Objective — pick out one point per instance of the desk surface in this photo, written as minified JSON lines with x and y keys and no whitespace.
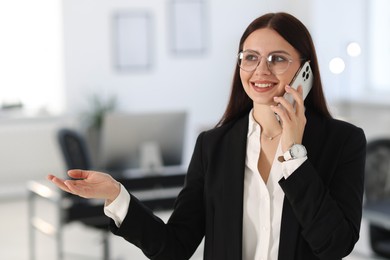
{"x":163,"y":171}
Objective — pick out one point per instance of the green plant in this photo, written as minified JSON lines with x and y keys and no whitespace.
{"x":98,"y":108}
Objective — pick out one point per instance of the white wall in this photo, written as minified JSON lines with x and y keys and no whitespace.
{"x":336,"y":24}
{"x":199,"y":84}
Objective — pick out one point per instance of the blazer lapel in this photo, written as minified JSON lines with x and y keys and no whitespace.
{"x":233,"y":187}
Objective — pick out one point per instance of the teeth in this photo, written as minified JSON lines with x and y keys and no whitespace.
{"x":260,"y":85}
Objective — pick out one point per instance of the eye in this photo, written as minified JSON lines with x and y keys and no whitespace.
{"x":277,"y":58}
{"x":250,"y":57}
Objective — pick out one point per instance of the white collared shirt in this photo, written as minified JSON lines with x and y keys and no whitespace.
{"x":263,"y":203}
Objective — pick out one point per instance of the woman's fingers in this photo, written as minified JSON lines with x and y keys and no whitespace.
{"x":298,"y":97}
{"x":60,"y":183}
{"x":79,"y":174}
{"x":281,"y":112}
{"x":292,"y":117}
{"x":72,"y":186}
{"x":285,"y":108}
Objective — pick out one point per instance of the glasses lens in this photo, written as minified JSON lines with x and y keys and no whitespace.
{"x":278,"y":63}
{"x":248,"y":60}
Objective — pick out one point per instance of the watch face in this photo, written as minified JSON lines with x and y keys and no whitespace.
{"x":298,"y":151}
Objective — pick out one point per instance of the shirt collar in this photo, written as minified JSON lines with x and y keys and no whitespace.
{"x":253,"y":126}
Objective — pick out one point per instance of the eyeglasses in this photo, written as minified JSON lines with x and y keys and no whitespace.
{"x":277,"y":63}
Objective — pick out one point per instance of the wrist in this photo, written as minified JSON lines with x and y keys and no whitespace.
{"x":116,"y":189}
{"x":296,"y":151}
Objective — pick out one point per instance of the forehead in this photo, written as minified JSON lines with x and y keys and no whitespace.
{"x":266,"y":40}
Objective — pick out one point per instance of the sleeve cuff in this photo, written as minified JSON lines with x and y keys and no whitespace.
{"x":118,"y":209}
{"x":288,"y":167}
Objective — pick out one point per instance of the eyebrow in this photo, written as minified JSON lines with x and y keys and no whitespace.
{"x":272,"y":52}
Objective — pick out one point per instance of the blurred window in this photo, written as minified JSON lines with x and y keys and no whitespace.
{"x":31,"y":65}
{"x":379,"y":44}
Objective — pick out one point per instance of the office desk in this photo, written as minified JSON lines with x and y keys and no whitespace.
{"x":158,"y":191}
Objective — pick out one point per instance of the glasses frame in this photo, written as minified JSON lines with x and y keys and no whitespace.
{"x":269,"y":66}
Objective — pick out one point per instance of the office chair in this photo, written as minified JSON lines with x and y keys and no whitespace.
{"x":91,"y":214}
{"x":377,"y":195}
{"x":158,"y":192}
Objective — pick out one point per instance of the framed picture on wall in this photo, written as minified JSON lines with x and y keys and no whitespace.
{"x":132,"y":40}
{"x":188,"y":26}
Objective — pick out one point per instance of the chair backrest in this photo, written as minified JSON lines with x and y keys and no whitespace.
{"x":377,"y":171}
{"x":74,"y":149}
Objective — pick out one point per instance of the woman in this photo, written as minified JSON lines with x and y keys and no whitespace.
{"x":246,"y":191}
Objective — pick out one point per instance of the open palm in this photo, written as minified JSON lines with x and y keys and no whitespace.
{"x":88,"y":184}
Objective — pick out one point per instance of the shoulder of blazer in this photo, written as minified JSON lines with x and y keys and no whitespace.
{"x":321,"y":132}
{"x":236,"y":128}
{"x":328,"y":126}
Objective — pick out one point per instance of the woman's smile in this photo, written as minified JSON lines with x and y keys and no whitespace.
{"x":262,"y":86}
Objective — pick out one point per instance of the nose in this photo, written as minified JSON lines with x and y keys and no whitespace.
{"x":262,"y":66}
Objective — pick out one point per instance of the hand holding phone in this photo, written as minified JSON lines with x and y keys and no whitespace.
{"x":304,"y":78}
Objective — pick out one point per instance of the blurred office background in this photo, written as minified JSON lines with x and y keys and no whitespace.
{"x":62,"y":60}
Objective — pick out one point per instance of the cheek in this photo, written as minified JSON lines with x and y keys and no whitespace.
{"x":245,"y":81}
{"x":283,"y":81}
{"x":286,"y":79}
{"x":245,"y":77}
{"x":242,"y":75}
{"x":290,"y":78}
{"x":291,"y":73}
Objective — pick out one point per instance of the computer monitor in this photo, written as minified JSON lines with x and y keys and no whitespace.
{"x":127,"y":138}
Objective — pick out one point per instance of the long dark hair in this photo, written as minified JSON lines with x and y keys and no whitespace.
{"x":294,"y":32}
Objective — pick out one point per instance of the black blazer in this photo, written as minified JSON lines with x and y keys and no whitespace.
{"x":321,"y":212}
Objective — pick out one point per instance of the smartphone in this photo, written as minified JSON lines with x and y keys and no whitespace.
{"x":304,"y":78}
